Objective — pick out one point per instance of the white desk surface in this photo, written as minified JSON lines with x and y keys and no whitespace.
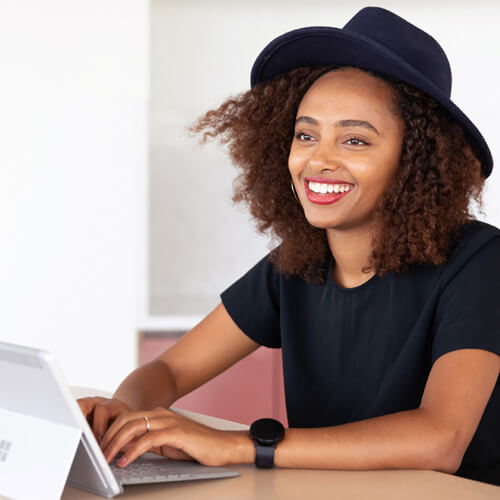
{"x":290,"y":484}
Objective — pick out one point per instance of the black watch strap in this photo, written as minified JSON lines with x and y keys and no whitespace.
{"x":266,"y":434}
{"x":264,"y":456}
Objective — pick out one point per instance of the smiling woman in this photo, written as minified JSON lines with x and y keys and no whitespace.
{"x":365,"y":176}
{"x":413,"y":221}
{"x":383,"y":289}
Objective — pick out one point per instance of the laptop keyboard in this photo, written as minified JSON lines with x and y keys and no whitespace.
{"x":141,"y":471}
{"x":146,"y":470}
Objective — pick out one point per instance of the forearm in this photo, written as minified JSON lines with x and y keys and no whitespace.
{"x":404,"y":440}
{"x":149,"y":386}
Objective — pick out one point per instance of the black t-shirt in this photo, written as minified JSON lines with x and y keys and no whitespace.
{"x":356,"y":353}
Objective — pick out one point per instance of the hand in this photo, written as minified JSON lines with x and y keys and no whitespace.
{"x":174,"y":436}
{"x":100,"y":412}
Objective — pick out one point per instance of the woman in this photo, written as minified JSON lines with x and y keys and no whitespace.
{"x":382,"y":291}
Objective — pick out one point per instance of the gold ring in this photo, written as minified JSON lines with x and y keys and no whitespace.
{"x":147,"y":423}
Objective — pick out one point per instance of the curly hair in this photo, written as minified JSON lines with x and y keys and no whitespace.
{"x":417,"y":219}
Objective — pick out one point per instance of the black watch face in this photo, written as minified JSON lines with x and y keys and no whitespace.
{"x":267,"y":431}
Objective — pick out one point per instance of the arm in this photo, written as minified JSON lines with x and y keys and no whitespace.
{"x":212,"y":346}
{"x":433,"y":436}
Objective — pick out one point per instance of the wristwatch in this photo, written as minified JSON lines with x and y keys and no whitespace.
{"x":266,"y":434}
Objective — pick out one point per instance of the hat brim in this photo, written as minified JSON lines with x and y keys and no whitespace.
{"x":328,"y":46}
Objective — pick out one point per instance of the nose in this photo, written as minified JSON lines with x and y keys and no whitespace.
{"x":323,"y":158}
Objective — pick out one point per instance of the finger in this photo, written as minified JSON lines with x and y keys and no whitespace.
{"x":121,"y":420}
{"x":125,"y":417}
{"x":147,"y":441}
{"x":87,"y":414}
{"x":130,"y":431}
{"x":103,"y":413}
{"x":83,"y":406}
{"x":127,"y":447}
{"x":87,"y":404}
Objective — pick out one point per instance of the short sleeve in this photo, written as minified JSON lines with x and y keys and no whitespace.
{"x":468,"y":312}
{"x":254,"y":305}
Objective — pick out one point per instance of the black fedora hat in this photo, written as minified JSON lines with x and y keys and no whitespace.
{"x":379,"y":40}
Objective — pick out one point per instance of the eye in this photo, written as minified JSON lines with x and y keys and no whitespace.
{"x":303,"y":137}
{"x":357,"y":141}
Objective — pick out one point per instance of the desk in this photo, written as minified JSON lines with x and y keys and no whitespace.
{"x":290,"y":484}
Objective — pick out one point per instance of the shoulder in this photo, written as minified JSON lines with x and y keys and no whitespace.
{"x":476,"y":249}
{"x":476,"y":231}
{"x":475,"y":255}
{"x":475,"y":240}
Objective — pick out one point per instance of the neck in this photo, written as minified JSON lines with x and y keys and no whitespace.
{"x":351,"y":249}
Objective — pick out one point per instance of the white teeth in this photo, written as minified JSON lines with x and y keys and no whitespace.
{"x":323,"y":188}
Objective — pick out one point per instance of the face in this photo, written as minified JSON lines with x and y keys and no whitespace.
{"x":346,"y":148}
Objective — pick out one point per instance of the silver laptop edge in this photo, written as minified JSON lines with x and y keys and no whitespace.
{"x":89,"y":469}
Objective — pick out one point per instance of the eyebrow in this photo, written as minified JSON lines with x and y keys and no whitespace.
{"x":340,"y":123}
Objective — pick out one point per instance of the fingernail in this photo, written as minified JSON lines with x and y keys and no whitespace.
{"x":122,"y":461}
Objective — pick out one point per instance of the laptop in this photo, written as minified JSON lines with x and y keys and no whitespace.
{"x":46,"y":442}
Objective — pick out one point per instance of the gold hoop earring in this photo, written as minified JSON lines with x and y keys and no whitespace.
{"x":294,"y":192}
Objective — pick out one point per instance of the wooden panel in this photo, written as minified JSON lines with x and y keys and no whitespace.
{"x":250,"y":389}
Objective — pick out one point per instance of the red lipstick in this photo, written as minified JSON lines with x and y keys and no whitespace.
{"x":327,"y":198}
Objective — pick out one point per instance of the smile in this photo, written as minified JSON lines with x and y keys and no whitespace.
{"x":326,"y":193}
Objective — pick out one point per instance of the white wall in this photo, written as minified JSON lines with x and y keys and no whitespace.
{"x":202,"y":52}
{"x":73,"y":156}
